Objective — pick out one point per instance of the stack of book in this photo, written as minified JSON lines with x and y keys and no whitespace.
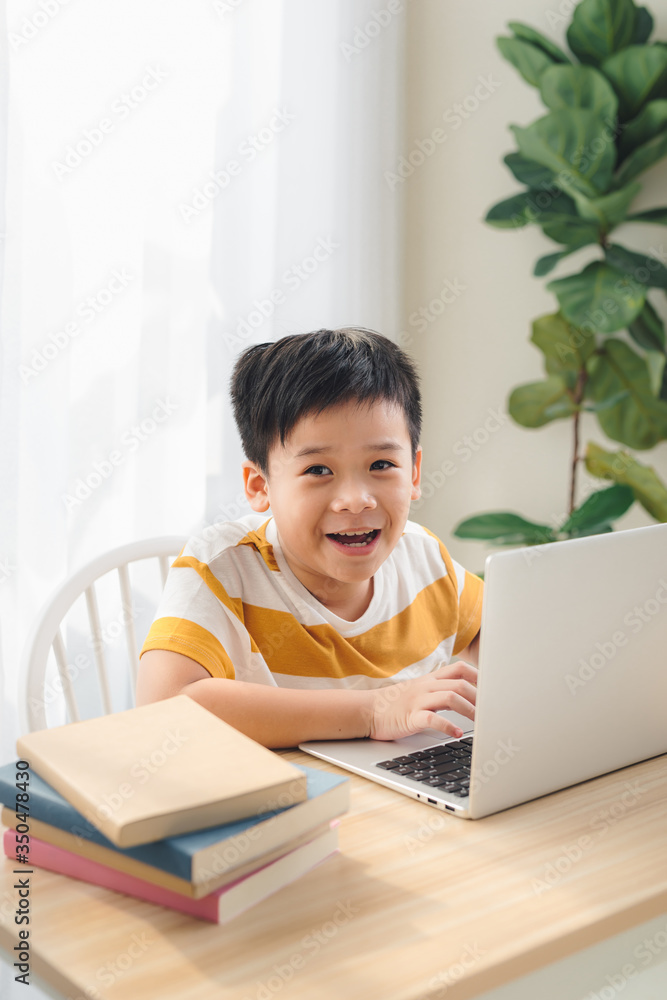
{"x":169,"y":804}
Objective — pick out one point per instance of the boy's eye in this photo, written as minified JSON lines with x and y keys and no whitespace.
{"x":382,"y":463}
{"x":317,"y":470}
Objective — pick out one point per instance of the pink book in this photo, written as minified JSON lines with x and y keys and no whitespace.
{"x":218,"y":907}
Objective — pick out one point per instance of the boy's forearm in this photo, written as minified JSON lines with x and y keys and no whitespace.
{"x":284,"y":717}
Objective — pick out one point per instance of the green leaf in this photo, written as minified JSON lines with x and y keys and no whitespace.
{"x":538,"y":403}
{"x":609,"y":210}
{"x":527,"y":172}
{"x":643,"y":26}
{"x":566,"y":349}
{"x":647,"y":329}
{"x":531,"y":207}
{"x":601,"y":27}
{"x":504,"y":528}
{"x":553,"y":210}
{"x":511,"y":213}
{"x":642,"y":158}
{"x":571,"y":230}
{"x":565,"y":87}
{"x":606,"y":404}
{"x":658,"y":216}
{"x":651,"y":121}
{"x":528,"y":59}
{"x":599,"y":509}
{"x":620,"y":467}
{"x":596,"y":529}
{"x":655,"y":362}
{"x":639,"y":419}
{"x":662,"y":392}
{"x":638,"y":74}
{"x":599,"y":297}
{"x":544,"y":265}
{"x":553,"y":204}
{"x":574,"y":144}
{"x":528,"y":34}
{"x":643,"y":268}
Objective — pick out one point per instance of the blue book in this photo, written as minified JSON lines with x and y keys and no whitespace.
{"x":193,"y":863}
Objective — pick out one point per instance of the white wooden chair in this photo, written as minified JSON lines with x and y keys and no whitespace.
{"x":48,"y":675}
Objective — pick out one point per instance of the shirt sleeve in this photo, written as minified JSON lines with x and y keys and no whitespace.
{"x":197,"y":618}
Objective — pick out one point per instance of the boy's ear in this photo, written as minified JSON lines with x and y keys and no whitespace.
{"x":416,"y":475}
{"x":256,"y":487}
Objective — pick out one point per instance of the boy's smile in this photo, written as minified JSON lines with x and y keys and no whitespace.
{"x":340,"y":491}
{"x":350,"y":541}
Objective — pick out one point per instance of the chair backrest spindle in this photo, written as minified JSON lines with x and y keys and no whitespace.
{"x":127,"y":616}
{"x":47,"y":633}
{"x":98,"y":647}
{"x":61,"y":662}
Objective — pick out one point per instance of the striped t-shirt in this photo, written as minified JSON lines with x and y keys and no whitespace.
{"x":232,"y":603}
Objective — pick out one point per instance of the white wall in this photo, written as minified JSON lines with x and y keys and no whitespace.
{"x":477,"y":351}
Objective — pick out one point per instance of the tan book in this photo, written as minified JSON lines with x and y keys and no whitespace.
{"x":161,"y":769}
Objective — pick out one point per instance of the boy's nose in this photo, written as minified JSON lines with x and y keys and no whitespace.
{"x":355,"y":499}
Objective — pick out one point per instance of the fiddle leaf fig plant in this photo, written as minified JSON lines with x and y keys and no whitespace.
{"x":604,"y":347}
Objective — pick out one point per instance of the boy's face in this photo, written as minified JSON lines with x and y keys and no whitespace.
{"x":347,"y":469}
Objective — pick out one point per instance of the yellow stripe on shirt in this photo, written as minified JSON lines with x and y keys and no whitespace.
{"x":179,"y":635}
{"x":385,"y":649}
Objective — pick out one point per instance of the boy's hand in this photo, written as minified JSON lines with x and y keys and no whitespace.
{"x":410,"y":706}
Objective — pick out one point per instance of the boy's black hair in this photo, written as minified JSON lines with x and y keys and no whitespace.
{"x":273,"y":385}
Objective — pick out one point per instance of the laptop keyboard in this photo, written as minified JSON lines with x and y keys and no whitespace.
{"x":445,"y":766}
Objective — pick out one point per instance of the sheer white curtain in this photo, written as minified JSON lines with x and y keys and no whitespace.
{"x":180,"y":180}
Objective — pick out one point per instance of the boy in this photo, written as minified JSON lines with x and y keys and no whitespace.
{"x":333,"y":618}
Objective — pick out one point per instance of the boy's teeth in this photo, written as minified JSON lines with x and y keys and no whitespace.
{"x":367,"y":537}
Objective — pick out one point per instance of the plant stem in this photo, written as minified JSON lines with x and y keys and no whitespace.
{"x":578,"y":396}
{"x":575,"y":459}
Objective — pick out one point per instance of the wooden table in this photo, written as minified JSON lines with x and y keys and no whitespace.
{"x":417,"y":904}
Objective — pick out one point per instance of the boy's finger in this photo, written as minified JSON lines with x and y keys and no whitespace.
{"x":456,"y":670}
{"x":450,"y":701}
{"x":427,"y":719}
{"x":459,"y":686}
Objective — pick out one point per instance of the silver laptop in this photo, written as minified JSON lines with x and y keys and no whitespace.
{"x":572,"y":680}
